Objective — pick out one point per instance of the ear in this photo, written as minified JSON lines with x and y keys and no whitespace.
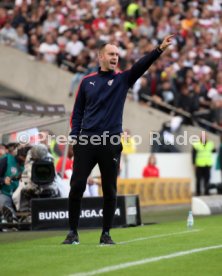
{"x":100,"y":55}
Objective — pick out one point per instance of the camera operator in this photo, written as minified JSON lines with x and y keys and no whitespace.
{"x":11,"y":168}
{"x":30,"y":185}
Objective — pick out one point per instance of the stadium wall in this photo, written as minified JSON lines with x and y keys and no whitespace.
{"x":42,"y":82}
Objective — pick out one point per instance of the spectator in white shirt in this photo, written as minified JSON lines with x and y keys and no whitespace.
{"x":8,"y":34}
{"x":75,"y":46}
{"x":49,"y":49}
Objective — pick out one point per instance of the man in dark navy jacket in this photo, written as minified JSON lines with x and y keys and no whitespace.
{"x":96,"y":124}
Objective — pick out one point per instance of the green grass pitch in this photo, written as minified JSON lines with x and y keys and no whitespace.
{"x":136,"y":252}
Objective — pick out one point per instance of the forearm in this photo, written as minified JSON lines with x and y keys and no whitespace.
{"x":142,"y":65}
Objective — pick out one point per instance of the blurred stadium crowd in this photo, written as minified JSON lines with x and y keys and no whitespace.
{"x":68,"y":32}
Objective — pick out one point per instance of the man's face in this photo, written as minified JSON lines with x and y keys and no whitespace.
{"x":109,"y":57}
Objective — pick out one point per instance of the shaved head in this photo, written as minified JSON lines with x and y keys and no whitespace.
{"x":102,"y":46}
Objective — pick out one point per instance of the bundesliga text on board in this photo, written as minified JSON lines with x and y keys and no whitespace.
{"x":58,"y":215}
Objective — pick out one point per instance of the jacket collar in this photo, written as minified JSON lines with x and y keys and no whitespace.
{"x":106,"y":73}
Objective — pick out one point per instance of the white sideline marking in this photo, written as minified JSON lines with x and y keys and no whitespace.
{"x":146,"y":261}
{"x":159,"y":236}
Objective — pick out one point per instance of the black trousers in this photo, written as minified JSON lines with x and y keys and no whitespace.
{"x":202,"y":174}
{"x":85,"y":158}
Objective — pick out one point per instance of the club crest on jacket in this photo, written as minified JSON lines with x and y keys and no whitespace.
{"x":110,"y":82}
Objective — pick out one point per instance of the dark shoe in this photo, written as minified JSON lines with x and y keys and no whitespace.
{"x":105,"y":239}
{"x":71,"y":239}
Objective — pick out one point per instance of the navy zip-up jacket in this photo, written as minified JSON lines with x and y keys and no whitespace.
{"x":101,"y":96}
